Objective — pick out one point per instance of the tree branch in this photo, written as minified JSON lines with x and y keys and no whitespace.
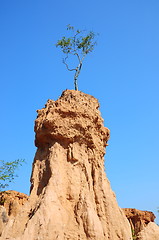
{"x":78,"y":57}
{"x":64,"y":61}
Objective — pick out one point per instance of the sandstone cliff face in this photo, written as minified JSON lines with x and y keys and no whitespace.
{"x":142,"y":224}
{"x":150,"y":232}
{"x":3,"y":218}
{"x":10,"y":204}
{"x":12,"y":201}
{"x":138,"y":219}
{"x":71,"y":198}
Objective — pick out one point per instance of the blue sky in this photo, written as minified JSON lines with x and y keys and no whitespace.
{"x":122,"y":72}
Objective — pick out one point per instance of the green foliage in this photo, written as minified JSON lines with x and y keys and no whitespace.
{"x":7,"y":172}
{"x":78,"y":45}
{"x":133,"y":234}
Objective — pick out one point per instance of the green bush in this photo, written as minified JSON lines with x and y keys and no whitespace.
{"x":7,"y":172}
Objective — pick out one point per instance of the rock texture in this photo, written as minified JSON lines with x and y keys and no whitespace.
{"x":150,"y":232}
{"x":142,"y":224}
{"x":3,"y":218}
{"x":71,"y":198}
{"x":10,"y":204}
{"x":12,"y":201}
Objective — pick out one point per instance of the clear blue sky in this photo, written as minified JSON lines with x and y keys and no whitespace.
{"x":122,"y":72}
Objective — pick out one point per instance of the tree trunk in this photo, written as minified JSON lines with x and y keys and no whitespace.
{"x":76,"y":85}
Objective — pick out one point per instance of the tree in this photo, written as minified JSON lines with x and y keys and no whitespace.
{"x":7,"y":172}
{"x":78,"y":45}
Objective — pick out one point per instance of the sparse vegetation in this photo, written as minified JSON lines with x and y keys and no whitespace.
{"x":133,"y":234}
{"x":78,"y":45}
{"x":7,"y":172}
